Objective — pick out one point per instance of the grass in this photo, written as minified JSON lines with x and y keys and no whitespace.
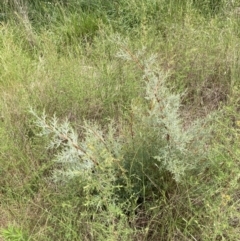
{"x":63,"y":57}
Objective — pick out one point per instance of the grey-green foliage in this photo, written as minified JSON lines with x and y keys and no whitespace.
{"x":95,"y":162}
{"x":96,"y":159}
{"x":77,"y":156}
{"x":118,"y":166}
{"x":159,"y":132}
{"x":72,"y":156}
{"x":158,"y":142}
{"x":184,"y":148}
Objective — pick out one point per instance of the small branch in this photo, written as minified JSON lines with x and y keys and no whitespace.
{"x":64,"y":138}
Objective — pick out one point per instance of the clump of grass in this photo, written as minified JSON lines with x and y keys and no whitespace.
{"x":14,"y":233}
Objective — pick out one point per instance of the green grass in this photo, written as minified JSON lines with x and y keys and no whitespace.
{"x":63,"y":56}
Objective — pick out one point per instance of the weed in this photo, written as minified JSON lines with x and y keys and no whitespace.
{"x":157,"y":164}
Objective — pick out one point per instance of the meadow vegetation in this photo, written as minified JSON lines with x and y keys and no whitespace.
{"x":119,"y":120}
